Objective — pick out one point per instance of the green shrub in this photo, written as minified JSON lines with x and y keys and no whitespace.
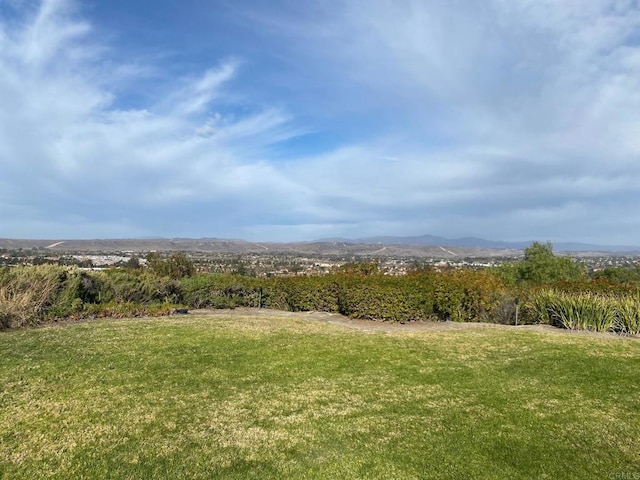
{"x":26,"y":293}
{"x":303,"y":293}
{"x":470,"y":296}
{"x":537,"y":308}
{"x":627,"y":311}
{"x":33,"y":294}
{"x":220,"y":291}
{"x":575,"y":311}
{"x":127,"y":310}
{"x":354,"y":294}
{"x":599,"y":312}
{"x":176,"y":266}
{"x":382,"y":300}
{"x":137,"y":286}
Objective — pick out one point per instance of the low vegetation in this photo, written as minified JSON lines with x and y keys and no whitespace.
{"x":284,"y":397}
{"x":587,"y":311}
{"x":275,"y":396}
{"x":543,"y":288}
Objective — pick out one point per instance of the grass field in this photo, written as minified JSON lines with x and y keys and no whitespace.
{"x":284,"y":397}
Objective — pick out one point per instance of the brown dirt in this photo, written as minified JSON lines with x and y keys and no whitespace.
{"x":373,"y":325}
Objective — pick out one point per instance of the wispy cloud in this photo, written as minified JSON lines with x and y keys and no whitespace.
{"x":508,"y":108}
{"x":68,"y":155}
{"x":514,"y":119}
{"x":198,"y":95}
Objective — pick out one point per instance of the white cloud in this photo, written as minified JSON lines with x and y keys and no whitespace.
{"x":68,"y":153}
{"x":199,"y":94}
{"x":553,"y":86}
{"x":514,"y":119}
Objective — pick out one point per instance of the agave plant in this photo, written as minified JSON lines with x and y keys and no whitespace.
{"x":598,"y":312}
{"x":565,"y":311}
{"x":628,"y":315}
{"x":583,"y":311}
{"x":538,"y":306}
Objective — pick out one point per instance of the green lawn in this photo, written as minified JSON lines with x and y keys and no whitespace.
{"x":268,"y":397}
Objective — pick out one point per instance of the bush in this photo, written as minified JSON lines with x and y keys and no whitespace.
{"x":29,"y":295}
{"x":354,"y":294}
{"x":471,"y":296}
{"x":536,"y":309}
{"x":383,"y":299}
{"x":577,"y":311}
{"x":137,"y":286}
{"x":220,"y":291}
{"x":26,"y":293}
{"x":127,"y":309}
{"x":176,"y":265}
{"x":628,"y":315}
{"x":303,"y":294}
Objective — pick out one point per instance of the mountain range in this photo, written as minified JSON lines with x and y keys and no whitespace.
{"x":473,"y":242}
{"x":416,"y":246}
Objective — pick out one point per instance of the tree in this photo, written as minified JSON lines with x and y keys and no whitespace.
{"x":133,"y":263}
{"x":176,"y":266}
{"x":180,"y":266}
{"x":620,"y":275}
{"x":156,"y":263}
{"x":541,"y":266}
{"x":363,"y":269}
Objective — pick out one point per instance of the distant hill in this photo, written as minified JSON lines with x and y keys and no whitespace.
{"x":423,"y":246}
{"x":242,"y":247}
{"x":473,"y":242}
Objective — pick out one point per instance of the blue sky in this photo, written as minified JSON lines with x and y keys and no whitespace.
{"x":296,"y":120}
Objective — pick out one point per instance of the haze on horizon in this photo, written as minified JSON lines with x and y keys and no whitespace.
{"x":297,"y":120}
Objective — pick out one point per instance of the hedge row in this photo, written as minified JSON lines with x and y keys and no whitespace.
{"x":30,"y":295}
{"x":463,"y":295}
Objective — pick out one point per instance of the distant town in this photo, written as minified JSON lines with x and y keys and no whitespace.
{"x":262,"y":260}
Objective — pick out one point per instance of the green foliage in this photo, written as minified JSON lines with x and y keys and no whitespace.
{"x":586,"y":310}
{"x":509,"y":272}
{"x":133,"y":263}
{"x":220,"y":291}
{"x":138,"y":286}
{"x":470,"y":296}
{"x":33,"y":294}
{"x":176,"y":266}
{"x":76,"y":288}
{"x":599,"y":285}
{"x":582,"y":312}
{"x":386,"y":298}
{"x":30,"y":295}
{"x":42,"y":292}
{"x":619,"y":275}
{"x":628,"y":315}
{"x":536,"y":308}
{"x":27,"y":292}
{"x":302,"y":293}
{"x":541,"y":266}
{"x":116,"y":309}
{"x":354,"y":294}
{"x":361,"y":268}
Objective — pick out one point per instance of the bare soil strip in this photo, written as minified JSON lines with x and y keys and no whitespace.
{"x":388,"y":327}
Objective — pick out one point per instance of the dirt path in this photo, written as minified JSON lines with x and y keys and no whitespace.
{"x":372,"y":325}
